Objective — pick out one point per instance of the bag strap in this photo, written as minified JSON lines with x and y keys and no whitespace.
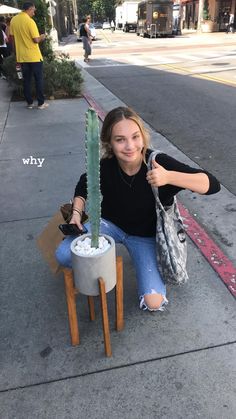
{"x":155,"y":190}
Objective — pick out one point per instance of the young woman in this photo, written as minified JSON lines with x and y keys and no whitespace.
{"x":128,"y":204}
{"x":86,"y":38}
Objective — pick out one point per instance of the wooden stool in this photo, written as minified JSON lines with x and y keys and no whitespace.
{"x":71,"y":292}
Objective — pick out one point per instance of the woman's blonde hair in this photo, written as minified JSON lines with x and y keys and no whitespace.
{"x":113,"y":117}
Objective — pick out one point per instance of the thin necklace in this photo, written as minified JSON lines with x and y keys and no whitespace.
{"x":124,"y":180}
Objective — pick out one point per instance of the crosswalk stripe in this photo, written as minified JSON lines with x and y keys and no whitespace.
{"x":154,"y":58}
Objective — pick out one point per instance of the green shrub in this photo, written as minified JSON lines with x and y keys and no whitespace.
{"x":205,"y":12}
{"x":67,"y":76}
{"x":61,"y":77}
{"x":46,"y":49}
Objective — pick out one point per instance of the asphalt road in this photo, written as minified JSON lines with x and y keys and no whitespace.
{"x":183,"y":90}
{"x":198,"y":116}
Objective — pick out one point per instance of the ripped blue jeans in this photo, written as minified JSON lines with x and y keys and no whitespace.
{"x":142,"y":251}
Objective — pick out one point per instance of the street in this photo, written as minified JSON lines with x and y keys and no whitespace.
{"x":184,"y":87}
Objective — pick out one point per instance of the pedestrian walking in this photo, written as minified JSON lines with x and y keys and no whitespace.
{"x":128,"y":204}
{"x":86,"y":38}
{"x":112,"y":26}
{"x":26,"y":40}
{"x":230,"y":27}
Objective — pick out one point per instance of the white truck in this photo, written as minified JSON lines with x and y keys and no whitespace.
{"x":126,"y":16}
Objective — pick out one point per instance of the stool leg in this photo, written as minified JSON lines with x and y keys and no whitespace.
{"x":91,"y":308}
{"x":71,"y":306}
{"x":105,"y":321}
{"x":119,"y":294}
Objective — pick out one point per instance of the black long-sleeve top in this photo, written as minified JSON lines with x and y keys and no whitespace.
{"x":128,"y":201}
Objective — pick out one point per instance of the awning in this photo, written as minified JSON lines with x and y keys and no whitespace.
{"x":7,"y":10}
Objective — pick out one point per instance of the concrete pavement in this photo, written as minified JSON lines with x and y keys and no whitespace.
{"x":176,"y":364}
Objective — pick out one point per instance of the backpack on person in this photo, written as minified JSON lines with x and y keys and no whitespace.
{"x":170,"y":238}
{"x":82,"y":31}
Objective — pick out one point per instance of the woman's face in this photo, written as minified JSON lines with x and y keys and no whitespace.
{"x":127,"y":141}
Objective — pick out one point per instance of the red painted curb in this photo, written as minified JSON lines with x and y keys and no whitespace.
{"x":213,"y":254}
{"x":95,"y":106}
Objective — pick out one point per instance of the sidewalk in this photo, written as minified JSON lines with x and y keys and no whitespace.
{"x":172,"y":365}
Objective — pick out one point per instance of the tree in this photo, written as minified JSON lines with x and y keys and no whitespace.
{"x":11,"y":3}
{"x":41,"y":17}
{"x":98,"y":9}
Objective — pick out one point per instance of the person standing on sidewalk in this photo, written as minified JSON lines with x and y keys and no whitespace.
{"x":3,"y":23}
{"x":86,"y":38}
{"x":3,"y":50}
{"x":112,"y":26}
{"x":26,"y":40}
{"x":9,"y":38}
{"x":230,"y":27}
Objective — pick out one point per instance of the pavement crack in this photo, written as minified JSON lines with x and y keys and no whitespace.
{"x":26,"y":219}
{"x":118,"y":367}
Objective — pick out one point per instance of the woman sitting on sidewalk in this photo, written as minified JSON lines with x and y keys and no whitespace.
{"x":128,"y":204}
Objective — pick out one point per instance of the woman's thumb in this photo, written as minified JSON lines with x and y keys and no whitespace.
{"x":155,"y":165}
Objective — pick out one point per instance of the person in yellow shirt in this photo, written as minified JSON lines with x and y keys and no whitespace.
{"x":26,"y":40}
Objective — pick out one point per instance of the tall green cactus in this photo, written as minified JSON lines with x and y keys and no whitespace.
{"x":93,"y":174}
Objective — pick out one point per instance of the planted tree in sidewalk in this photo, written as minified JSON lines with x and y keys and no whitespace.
{"x":207,"y":23}
{"x":205,"y":12}
{"x":98,"y":9}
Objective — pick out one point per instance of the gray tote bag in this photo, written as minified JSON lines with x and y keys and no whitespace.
{"x":170,"y":238}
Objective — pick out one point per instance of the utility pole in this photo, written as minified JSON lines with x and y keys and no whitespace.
{"x":75,"y":12}
{"x":53,"y":31}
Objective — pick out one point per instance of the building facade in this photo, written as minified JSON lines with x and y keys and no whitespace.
{"x":219,"y":11}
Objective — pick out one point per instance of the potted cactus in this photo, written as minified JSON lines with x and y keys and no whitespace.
{"x":93,"y":256}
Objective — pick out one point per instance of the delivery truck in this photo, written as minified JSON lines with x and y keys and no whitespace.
{"x":155,"y":18}
{"x":126,"y":16}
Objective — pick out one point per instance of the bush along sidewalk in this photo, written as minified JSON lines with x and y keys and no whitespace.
{"x":61,"y":77}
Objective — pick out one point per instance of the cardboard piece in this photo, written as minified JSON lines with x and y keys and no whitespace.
{"x":49,"y":240}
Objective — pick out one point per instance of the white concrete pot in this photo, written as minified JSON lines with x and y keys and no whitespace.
{"x":87,"y":269}
{"x":207,"y":26}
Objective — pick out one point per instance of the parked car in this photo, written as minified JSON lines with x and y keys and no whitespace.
{"x":106,"y":25}
{"x":97,"y":25}
{"x":92,"y":30}
{"x":130,"y":27}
